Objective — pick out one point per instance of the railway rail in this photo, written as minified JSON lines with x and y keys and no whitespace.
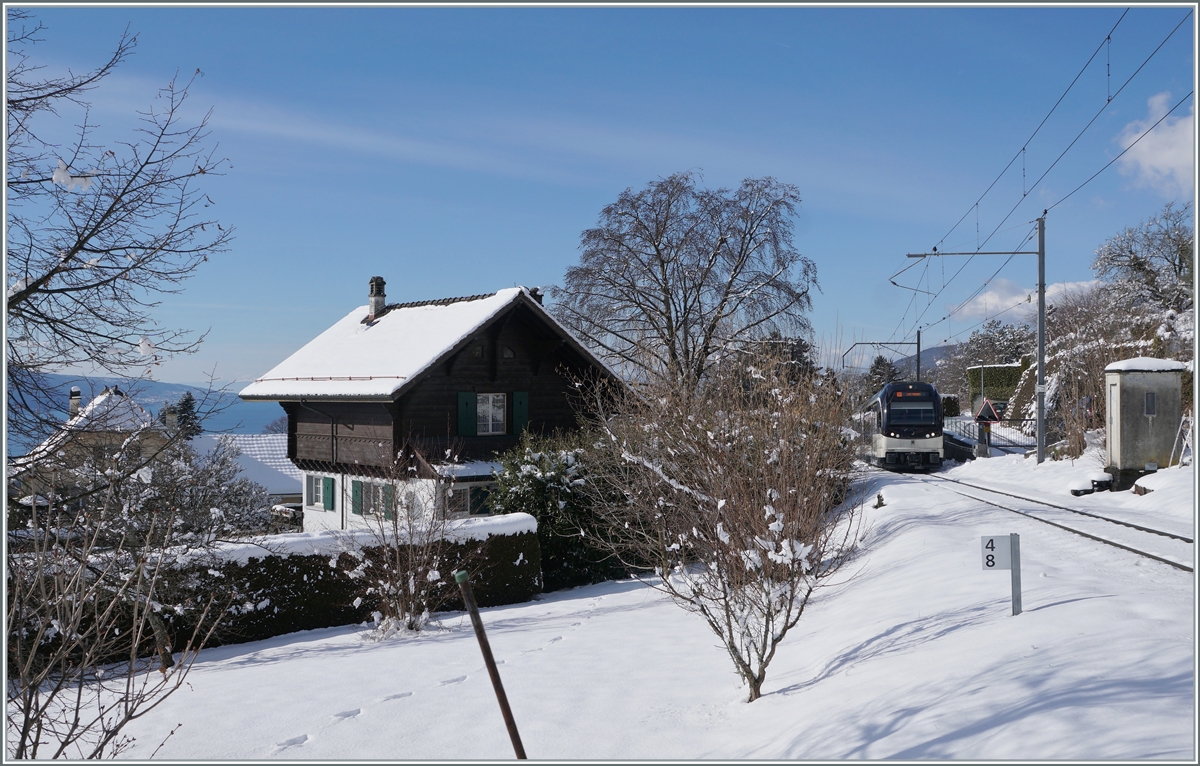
{"x":1170,"y":548}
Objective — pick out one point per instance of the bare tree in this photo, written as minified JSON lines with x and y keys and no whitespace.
{"x":1089,"y":329}
{"x":1154,"y":263}
{"x":733,"y":495}
{"x":96,"y":233}
{"x":277,"y":426}
{"x":99,"y":597}
{"x":403,"y":560}
{"x":674,"y":276}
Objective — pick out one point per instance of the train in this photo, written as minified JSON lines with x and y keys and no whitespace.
{"x":901,"y":427}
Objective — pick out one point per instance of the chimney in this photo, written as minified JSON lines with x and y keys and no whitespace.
{"x":170,"y":418}
{"x":537,"y":294}
{"x":376,"y":299}
{"x":76,"y":399}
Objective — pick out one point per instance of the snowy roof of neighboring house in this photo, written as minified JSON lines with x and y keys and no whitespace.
{"x":111,"y":411}
{"x":472,"y":468}
{"x":357,"y":359}
{"x":263,"y":460}
{"x":1146,"y":364}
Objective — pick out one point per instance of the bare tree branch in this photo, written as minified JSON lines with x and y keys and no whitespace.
{"x":675,"y":277}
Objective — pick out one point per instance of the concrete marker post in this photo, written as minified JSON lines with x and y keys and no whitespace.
{"x":1004,"y":552}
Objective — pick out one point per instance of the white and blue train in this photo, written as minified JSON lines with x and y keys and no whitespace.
{"x":901,"y":427}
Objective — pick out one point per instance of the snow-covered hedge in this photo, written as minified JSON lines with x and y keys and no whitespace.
{"x":303,"y":581}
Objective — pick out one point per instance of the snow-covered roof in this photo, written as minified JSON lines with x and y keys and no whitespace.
{"x":263,"y":460}
{"x":1146,"y":364}
{"x":335,"y":541}
{"x":472,"y":468}
{"x":356,"y":359}
{"x":112,"y":412}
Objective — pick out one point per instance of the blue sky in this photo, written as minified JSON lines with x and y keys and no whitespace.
{"x":456,"y":151}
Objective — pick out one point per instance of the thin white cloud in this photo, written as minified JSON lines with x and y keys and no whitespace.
{"x":1165,"y":158}
{"x":1012,"y":302}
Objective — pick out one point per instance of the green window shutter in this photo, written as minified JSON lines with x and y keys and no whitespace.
{"x":520,"y":417}
{"x":356,"y":497}
{"x":466,"y":413}
{"x":389,"y":502}
{"x":327,"y":493}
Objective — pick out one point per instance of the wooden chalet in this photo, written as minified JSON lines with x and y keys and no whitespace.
{"x":452,"y":381}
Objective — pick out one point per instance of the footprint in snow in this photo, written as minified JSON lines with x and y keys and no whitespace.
{"x":576,"y":624}
{"x":458,"y":680}
{"x":556,"y":638}
{"x":293,"y":742}
{"x":399,"y":696}
{"x":348,"y":713}
{"x":531,"y":651}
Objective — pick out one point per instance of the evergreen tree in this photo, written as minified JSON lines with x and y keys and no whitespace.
{"x":186,"y":419}
{"x":881,"y":373}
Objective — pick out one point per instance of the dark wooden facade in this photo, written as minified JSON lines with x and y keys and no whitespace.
{"x":518,"y":353}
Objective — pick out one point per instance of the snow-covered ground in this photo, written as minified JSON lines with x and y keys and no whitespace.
{"x":913,"y":654}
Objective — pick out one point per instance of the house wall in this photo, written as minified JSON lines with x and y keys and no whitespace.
{"x":416,"y":495}
{"x":361,"y":433}
{"x":356,"y":437}
{"x":56,"y":475}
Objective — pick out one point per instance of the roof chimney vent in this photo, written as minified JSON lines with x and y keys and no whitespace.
{"x":75,"y":400}
{"x":537,"y":294}
{"x":377,"y":301}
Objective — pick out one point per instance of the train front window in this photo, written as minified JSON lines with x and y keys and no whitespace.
{"x":911,"y":413}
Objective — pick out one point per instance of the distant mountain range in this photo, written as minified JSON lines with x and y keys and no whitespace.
{"x":929,"y":359}
{"x":229,"y":413}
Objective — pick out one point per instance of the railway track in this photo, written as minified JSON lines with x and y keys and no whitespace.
{"x":1169,"y":548}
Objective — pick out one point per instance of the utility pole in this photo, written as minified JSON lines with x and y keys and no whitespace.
{"x":1041,"y":375}
{"x":1041,"y":332}
{"x":918,"y":355}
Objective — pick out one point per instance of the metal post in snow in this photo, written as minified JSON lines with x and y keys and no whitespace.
{"x":1041,"y":373}
{"x":469,"y":600}
{"x":1015,"y":548}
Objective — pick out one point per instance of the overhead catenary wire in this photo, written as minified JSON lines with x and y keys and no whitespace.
{"x":1122,"y":154}
{"x":980,"y":289}
{"x":1021,"y":151}
{"x":1025,"y":194}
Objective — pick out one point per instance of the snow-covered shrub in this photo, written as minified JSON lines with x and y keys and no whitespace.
{"x":1090,"y":328}
{"x":544,"y":477}
{"x":100,"y":592}
{"x":729,"y":497}
{"x":404,"y":569}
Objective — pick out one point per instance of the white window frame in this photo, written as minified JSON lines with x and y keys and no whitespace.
{"x":314,"y":491}
{"x":373,"y":497}
{"x":492,"y":428}
{"x":469,"y":508}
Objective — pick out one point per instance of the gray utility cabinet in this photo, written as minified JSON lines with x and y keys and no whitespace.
{"x":1143,"y":398}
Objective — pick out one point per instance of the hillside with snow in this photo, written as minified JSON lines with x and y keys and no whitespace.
{"x":912,"y":654}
